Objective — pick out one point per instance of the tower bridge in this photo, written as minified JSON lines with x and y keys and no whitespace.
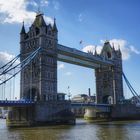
{"x":39,"y":53}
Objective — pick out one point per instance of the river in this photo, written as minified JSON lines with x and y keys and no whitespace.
{"x":121,"y":130}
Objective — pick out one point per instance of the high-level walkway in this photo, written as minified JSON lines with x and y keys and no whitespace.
{"x":74,"y":56}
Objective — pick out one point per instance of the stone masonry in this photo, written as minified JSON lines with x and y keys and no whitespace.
{"x":39,"y":78}
{"x":109,"y":84}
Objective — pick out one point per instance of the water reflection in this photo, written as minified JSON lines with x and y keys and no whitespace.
{"x":83,"y":130}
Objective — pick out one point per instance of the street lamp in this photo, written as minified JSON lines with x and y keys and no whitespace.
{"x":69,"y":95}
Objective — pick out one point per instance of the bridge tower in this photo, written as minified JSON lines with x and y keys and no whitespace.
{"x":109,"y":84}
{"x":39,"y":79}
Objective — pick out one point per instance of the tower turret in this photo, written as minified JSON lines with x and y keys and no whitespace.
{"x":22,"y":33}
{"x":42,"y":72}
{"x":109,"y":79}
{"x":54,"y":26}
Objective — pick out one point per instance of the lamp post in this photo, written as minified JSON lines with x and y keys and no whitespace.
{"x":69,"y":95}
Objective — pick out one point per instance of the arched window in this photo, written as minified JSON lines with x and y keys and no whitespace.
{"x":109,"y":55}
{"x":37,"y":31}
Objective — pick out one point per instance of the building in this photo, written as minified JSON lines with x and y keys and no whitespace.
{"x":83,"y":98}
{"x":39,"y":79}
{"x":109,"y":84}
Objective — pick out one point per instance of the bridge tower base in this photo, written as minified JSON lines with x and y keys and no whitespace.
{"x":51,"y":112}
{"x":40,"y":114}
{"x":95,"y":115}
{"x":20,"y":116}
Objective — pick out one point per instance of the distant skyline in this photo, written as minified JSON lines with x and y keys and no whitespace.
{"x":82,"y":24}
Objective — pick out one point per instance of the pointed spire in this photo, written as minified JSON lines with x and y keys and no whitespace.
{"x":95,"y":53}
{"x":23,"y":29}
{"x":119,"y":47}
{"x":39,"y":20}
{"x":119,"y":50}
{"x":54,"y":26}
{"x":113,"y":47}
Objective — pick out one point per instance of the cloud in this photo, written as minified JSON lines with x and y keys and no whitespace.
{"x":60,"y":66}
{"x":68,"y":73}
{"x":32,"y":3}
{"x":91,"y":48}
{"x":17,"y":11}
{"x":80,"y":17}
{"x":56,"y":5}
{"x":5,"y":57}
{"x":44,"y":3}
{"x":133,"y":49}
{"x":126,"y":49}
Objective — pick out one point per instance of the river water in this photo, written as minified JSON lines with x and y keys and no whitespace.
{"x":121,"y":130}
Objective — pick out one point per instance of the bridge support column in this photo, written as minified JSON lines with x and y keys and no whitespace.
{"x":20,"y":116}
{"x":53,"y":113}
{"x":93,"y":114}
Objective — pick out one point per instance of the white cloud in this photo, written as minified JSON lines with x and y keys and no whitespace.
{"x":5,"y":57}
{"x":68,"y":73}
{"x":126,"y":53}
{"x":80,"y":17}
{"x":44,"y":3}
{"x":126,"y":49}
{"x":91,"y":48}
{"x":16,"y":11}
{"x":60,"y":66}
{"x":32,"y":3}
{"x":133,"y":49}
{"x":56,"y":5}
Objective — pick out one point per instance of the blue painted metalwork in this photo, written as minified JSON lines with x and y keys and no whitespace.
{"x":101,"y":107}
{"x":10,"y":103}
{"x":90,"y":104}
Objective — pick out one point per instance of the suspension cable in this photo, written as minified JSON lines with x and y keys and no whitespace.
{"x":24,"y":61}
{"x":10,"y":62}
{"x":131,"y":88}
{"x":4,"y":87}
{"x":130,"y":85}
{"x":14,"y":86}
{"x":22,"y":67}
{"x":10,"y":65}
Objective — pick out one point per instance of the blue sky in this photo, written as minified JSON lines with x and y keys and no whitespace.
{"x":91,"y":21}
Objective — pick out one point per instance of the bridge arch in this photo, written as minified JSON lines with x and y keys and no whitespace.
{"x":107,"y":99}
{"x":31,"y":94}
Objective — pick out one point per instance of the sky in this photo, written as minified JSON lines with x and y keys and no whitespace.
{"x":89,"y":21}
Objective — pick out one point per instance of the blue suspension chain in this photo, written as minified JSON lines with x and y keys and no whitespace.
{"x":23,"y":64}
{"x":131,"y":88}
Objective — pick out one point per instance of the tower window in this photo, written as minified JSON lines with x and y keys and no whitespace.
{"x":49,"y":33}
{"x":37,"y":31}
{"x":108,"y":54}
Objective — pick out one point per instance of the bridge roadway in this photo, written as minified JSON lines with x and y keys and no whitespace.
{"x":74,"y":56}
{"x":101,"y":107}
{"x":18,"y":103}
{"x":14,"y":103}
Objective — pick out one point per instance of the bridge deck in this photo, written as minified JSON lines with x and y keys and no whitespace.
{"x":101,"y":107}
{"x":90,"y":104}
{"x":9,"y":103}
{"x":74,"y":56}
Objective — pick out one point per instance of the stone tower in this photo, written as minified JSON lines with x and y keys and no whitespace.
{"x":39,"y":78}
{"x":109,"y":85}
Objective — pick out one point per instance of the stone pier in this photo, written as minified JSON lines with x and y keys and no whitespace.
{"x":41,"y":113}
